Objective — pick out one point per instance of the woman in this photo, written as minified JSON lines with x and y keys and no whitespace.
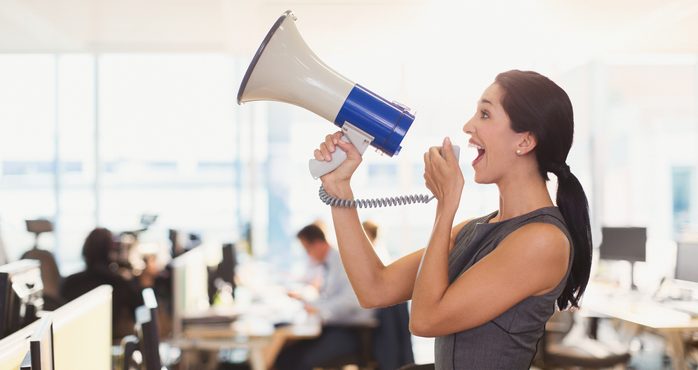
{"x":98,"y":252}
{"x":485,"y":287}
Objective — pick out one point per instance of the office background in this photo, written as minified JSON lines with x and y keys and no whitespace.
{"x":109,"y":110}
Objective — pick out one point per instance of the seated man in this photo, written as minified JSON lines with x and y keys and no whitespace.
{"x":336,"y":305}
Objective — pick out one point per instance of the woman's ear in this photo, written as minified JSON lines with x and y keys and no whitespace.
{"x":527,"y":142}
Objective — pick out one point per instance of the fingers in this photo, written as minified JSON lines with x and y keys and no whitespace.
{"x":447,"y":151}
{"x":348,"y":148}
{"x":325,"y":151}
{"x":330,"y":142}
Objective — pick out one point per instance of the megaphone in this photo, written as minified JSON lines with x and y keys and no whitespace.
{"x":284,"y":69}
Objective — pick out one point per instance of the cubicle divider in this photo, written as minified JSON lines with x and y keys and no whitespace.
{"x":81,"y":335}
{"x":15,"y":346}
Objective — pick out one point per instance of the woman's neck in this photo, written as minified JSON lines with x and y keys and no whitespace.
{"x":520,"y":194}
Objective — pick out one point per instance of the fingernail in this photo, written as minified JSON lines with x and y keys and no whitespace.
{"x":447,"y":140}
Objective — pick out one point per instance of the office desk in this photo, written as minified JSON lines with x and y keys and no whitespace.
{"x":638,"y":313}
{"x":261,"y":339}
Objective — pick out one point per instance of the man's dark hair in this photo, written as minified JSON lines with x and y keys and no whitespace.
{"x":311,"y":233}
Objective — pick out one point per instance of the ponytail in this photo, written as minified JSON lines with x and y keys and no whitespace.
{"x":572,"y":203}
{"x":536,"y":104}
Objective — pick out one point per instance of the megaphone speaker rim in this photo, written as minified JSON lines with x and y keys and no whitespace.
{"x":260,"y":51}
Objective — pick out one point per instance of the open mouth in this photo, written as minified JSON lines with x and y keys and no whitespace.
{"x":480,"y":152}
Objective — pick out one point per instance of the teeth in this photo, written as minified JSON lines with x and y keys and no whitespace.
{"x":471,"y":145}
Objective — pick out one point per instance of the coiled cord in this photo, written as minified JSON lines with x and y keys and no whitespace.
{"x":373,"y":203}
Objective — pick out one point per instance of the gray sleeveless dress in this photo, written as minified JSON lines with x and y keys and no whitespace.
{"x":508,"y":341}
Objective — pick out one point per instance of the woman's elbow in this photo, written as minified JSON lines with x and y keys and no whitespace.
{"x":369,"y":301}
{"x":421,"y":323}
{"x":420,"y":328}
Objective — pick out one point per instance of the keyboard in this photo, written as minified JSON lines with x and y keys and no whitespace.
{"x":689,"y":307}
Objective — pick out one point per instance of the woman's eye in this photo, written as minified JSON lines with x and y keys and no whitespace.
{"x":484,"y":114}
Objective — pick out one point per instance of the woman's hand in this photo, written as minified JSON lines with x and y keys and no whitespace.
{"x":341,"y":176}
{"x":442,"y":175}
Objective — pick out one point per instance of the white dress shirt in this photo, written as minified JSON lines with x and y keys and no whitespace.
{"x":337,"y":303}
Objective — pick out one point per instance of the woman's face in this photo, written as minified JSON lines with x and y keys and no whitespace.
{"x":490,"y":132}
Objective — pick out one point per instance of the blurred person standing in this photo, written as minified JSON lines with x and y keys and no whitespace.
{"x":371,"y":230}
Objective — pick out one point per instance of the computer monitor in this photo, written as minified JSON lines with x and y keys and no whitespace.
{"x":40,"y":355}
{"x":82,"y":338}
{"x":687,"y":262}
{"x":15,"y":346}
{"x":623,"y":243}
{"x":224,"y":272}
{"x":178,"y":244}
{"x":189,"y":286}
{"x":226,"y":269}
{"x":20,"y":295}
{"x":147,"y":329}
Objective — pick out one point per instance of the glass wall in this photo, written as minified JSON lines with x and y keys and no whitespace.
{"x":100,"y":140}
{"x":28,"y":150}
{"x":91,"y":140}
{"x":643,"y":117}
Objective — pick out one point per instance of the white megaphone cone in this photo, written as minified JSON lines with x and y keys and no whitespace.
{"x":285,"y":69}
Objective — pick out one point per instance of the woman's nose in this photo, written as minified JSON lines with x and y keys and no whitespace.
{"x":467,"y":128}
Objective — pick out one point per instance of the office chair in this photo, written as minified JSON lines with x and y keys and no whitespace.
{"x":50,"y":276}
{"x":363,"y":358}
{"x":418,"y":367}
{"x":386,"y":345}
{"x":584,"y":352}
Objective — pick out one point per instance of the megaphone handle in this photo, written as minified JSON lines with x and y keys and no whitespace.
{"x":353,"y":135}
{"x":320,"y":168}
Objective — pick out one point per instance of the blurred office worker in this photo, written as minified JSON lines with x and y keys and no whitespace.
{"x":336,"y":305}
{"x":98,"y":251}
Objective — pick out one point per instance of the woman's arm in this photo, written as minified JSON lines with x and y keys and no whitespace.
{"x":375,"y":284}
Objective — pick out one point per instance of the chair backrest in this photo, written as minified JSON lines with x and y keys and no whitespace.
{"x":147,"y":330}
{"x":392,"y":337}
{"x":50,"y":276}
{"x":557,"y":327}
{"x":418,"y":367}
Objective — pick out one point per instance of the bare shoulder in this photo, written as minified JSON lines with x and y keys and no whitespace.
{"x":540,"y":237}
{"x":541,"y":247}
{"x":539,"y":243}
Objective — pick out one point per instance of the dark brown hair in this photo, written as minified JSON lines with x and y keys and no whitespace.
{"x":97,"y":248}
{"x":537,"y":105}
{"x":311,"y":234}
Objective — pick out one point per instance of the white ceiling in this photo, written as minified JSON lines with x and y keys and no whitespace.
{"x":237,"y":26}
